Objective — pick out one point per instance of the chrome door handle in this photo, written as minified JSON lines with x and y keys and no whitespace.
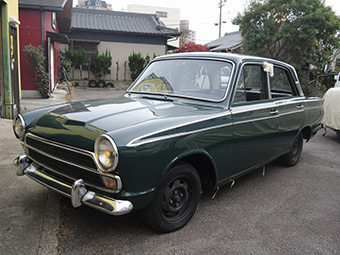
{"x":300,"y":106}
{"x":274,"y":111}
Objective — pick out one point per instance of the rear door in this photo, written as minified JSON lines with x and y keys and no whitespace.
{"x":289,"y":104}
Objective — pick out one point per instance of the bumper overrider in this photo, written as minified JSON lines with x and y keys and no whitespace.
{"x":77,"y":191}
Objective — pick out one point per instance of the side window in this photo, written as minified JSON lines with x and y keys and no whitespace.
{"x":281,"y":83}
{"x":250,"y":85}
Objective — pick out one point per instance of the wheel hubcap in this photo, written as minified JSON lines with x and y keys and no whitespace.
{"x":175,"y":198}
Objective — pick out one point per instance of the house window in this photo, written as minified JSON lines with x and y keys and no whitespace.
{"x":162,"y":14}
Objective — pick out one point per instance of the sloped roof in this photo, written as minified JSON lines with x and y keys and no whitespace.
{"x":47,"y":5}
{"x":230,"y":41}
{"x":126,"y":22}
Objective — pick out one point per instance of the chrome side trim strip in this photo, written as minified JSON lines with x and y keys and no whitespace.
{"x":135,"y":143}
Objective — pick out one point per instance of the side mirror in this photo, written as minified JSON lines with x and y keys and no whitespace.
{"x":325,"y":67}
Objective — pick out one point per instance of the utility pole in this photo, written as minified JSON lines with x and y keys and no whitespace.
{"x":221,"y":4}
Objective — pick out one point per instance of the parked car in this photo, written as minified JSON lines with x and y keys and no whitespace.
{"x":337,"y":80}
{"x":331,"y":118}
{"x":153,"y":148}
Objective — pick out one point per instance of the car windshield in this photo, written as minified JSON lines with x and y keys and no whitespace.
{"x":203,"y":79}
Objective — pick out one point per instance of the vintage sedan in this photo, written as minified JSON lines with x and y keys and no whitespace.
{"x":189,"y":119}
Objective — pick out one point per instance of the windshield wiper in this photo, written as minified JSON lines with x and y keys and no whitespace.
{"x":162,"y":97}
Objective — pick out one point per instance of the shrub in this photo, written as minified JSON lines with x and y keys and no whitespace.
{"x":36,"y":63}
{"x":137,"y":63}
{"x":100,"y":64}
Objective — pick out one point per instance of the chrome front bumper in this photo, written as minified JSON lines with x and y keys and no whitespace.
{"x":77,"y":192}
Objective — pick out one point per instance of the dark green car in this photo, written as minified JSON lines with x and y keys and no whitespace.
{"x":189,"y":119}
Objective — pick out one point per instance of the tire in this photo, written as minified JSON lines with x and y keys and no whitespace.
{"x":101,"y":84}
{"x":93,"y":83}
{"x":110,"y":85}
{"x":175,"y":200}
{"x":292,"y":157}
{"x":338,"y":134}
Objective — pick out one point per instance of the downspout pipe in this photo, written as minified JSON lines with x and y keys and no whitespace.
{"x":42,"y":27}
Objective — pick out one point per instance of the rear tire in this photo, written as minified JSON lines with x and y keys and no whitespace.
{"x":292,"y":157}
{"x":175,"y":201}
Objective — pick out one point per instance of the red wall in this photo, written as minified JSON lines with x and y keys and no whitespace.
{"x":30,"y":33}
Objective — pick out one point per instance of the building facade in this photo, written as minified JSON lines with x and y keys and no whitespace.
{"x":120,"y":33}
{"x":9,"y":59}
{"x":41,"y":22}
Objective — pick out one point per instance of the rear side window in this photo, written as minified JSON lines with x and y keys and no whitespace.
{"x":281,"y":83}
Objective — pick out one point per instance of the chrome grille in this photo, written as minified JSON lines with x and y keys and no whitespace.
{"x":64,"y":162}
{"x":61,"y":152}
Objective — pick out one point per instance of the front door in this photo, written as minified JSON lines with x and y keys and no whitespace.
{"x":255,"y":120}
{"x":14,"y":72}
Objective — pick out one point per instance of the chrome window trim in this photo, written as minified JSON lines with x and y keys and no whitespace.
{"x":238,"y":78}
{"x":189,"y":97}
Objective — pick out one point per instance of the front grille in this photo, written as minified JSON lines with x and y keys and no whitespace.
{"x":61,"y":152}
{"x":64,"y":162}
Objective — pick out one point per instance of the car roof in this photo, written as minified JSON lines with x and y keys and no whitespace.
{"x":236,"y":58}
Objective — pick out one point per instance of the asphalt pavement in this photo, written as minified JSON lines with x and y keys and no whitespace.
{"x":29,"y":212}
{"x":286,"y":211}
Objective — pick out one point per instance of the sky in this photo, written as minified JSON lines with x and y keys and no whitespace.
{"x":202,"y":15}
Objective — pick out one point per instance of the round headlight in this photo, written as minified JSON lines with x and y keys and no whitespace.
{"x":19,"y":126}
{"x":106,"y":153}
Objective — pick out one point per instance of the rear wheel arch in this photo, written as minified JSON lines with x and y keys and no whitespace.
{"x":306,"y":133}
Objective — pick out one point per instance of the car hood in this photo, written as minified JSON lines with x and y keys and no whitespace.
{"x":80,"y":123}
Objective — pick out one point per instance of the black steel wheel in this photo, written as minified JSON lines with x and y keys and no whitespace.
{"x":93,"y":83}
{"x":175,"y":201}
{"x":292,"y":158}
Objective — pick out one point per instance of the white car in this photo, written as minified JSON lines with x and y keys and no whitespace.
{"x":331,"y":118}
{"x":337,"y":78}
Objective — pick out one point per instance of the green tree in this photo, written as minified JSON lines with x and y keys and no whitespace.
{"x":298,"y":32}
{"x":137,"y":63}
{"x":101,"y":63}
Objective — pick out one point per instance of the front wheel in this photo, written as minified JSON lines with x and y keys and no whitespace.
{"x":175,"y":201}
{"x":292,"y":157}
